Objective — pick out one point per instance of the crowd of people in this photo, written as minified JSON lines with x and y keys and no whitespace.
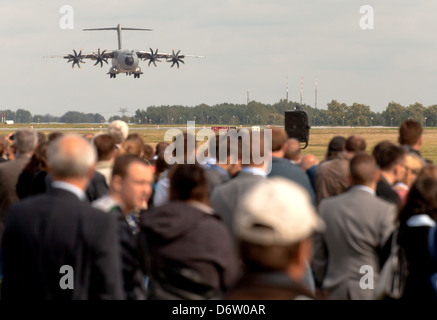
{"x":130,"y":225}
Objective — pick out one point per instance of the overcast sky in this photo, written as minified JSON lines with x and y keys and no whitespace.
{"x":248,"y":44}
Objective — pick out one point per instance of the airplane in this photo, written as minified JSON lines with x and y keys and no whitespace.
{"x":125,"y":60}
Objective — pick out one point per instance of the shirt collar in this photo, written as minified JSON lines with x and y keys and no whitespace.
{"x":70,"y":188}
{"x":420,"y":220}
{"x":255,"y":171}
{"x":365,"y":188}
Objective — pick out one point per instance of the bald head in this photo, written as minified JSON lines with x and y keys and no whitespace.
{"x":308,"y":161}
{"x":292,"y":150}
{"x":71,"y":156}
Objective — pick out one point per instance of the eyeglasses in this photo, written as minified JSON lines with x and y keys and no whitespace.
{"x":412,"y":170}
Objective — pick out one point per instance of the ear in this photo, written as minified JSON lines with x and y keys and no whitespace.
{"x":284,"y":148}
{"x":116,"y":183}
{"x":298,"y":266}
{"x":90,"y":172}
{"x":377,"y":175}
{"x":419,"y":142}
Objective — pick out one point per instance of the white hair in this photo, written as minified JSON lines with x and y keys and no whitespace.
{"x":71,"y":156}
{"x":119,"y":130}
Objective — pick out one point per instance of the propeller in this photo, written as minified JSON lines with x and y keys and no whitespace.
{"x":76,"y":58}
{"x":176,"y":58}
{"x":153,"y":57}
{"x":100,"y":57}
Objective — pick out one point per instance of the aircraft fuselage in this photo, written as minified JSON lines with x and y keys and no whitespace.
{"x":125,"y":61}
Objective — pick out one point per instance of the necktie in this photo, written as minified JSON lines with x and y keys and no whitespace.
{"x":132,"y":223}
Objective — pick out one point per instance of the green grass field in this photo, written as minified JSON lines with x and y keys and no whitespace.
{"x":318,"y":142}
{"x":319,"y":139}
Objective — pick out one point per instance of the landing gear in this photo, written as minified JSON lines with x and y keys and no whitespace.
{"x":137,"y":75}
{"x":112,"y":72}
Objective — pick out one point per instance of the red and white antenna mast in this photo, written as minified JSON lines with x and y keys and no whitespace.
{"x":301,"y":89}
{"x":287,"y":90}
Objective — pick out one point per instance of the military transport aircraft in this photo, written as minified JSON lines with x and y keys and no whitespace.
{"x":125,"y":60}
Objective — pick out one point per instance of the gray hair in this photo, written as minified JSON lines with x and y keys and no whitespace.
{"x":71,"y":156}
{"x":119,"y":130}
{"x":26,"y":140}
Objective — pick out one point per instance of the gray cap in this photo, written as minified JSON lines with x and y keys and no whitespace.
{"x":276,"y":212}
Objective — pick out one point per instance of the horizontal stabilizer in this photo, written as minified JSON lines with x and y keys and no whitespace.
{"x":119,"y":28}
{"x":97,"y":29}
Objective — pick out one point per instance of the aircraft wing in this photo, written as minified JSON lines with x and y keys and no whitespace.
{"x":93,"y":56}
{"x":174,"y":58}
{"x":77,"y":57}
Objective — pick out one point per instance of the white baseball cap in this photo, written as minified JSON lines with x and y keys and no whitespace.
{"x":276,"y":211}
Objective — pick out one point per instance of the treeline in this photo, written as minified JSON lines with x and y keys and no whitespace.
{"x":24,"y":116}
{"x":253,"y":113}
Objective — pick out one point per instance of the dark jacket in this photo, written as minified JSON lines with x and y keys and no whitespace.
{"x":268,"y":286}
{"x":97,"y":187}
{"x":189,"y":248}
{"x":284,"y":168}
{"x":132,"y":259}
{"x":386,"y":192}
{"x":9,"y":172}
{"x":44,"y":233}
{"x":420,"y":265}
{"x":31,"y":183}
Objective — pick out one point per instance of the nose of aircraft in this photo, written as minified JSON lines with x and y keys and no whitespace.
{"x":129,"y":61}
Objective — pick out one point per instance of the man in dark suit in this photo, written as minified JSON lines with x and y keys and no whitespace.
{"x":26,"y":141}
{"x":391,"y":160}
{"x":131,"y":187}
{"x":59,"y":232}
{"x":282,"y":167}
